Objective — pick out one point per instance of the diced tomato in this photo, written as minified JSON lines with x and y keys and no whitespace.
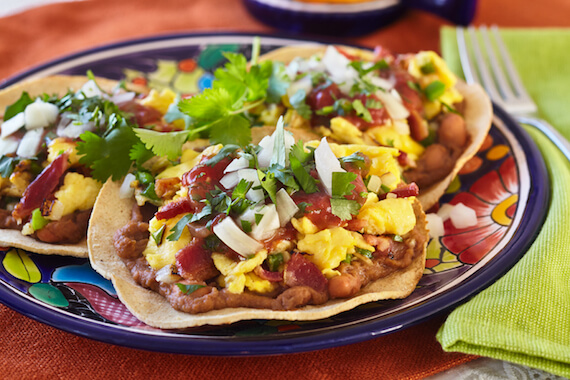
{"x":143,"y":115}
{"x":41,"y":187}
{"x":194,"y":262}
{"x":318,"y":210}
{"x":204,"y":173}
{"x":301,"y":272}
{"x":323,"y":96}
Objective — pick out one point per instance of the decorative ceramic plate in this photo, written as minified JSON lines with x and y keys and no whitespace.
{"x":506,"y":183}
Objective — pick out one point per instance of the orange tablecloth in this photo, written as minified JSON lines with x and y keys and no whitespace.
{"x":30,"y":349}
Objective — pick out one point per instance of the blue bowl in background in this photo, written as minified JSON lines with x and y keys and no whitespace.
{"x":351,"y":19}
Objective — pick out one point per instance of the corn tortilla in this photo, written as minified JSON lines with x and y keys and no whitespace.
{"x":111,"y":213}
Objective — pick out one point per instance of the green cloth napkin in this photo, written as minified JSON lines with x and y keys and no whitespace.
{"x":524,"y":317}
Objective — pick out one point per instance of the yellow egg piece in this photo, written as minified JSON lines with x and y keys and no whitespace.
{"x":165,"y":254}
{"x":389,"y":136}
{"x":304,"y":225}
{"x":160,"y":101}
{"x":188,"y":160}
{"x":60,"y":145}
{"x":77,"y":192}
{"x":238,"y":275}
{"x":382,"y":158}
{"x":328,"y":248}
{"x":344,"y":131}
{"x":388,"y":216}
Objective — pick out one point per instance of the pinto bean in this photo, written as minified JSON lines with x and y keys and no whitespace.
{"x":452,"y":132}
{"x":343,"y":286}
{"x":435,"y":156}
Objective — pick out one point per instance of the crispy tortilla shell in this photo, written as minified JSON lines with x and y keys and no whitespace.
{"x":53,"y":85}
{"x":111,"y":213}
{"x":478,"y":112}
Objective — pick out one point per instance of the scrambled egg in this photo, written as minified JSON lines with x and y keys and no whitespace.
{"x":382,"y":159}
{"x":442,"y":73}
{"x":188,"y":160}
{"x":161,"y":101}
{"x":328,"y":248}
{"x":389,"y":136}
{"x":77,"y":193}
{"x":59,"y":145}
{"x":238,"y":276}
{"x":343,"y":130}
{"x":388,"y":216}
{"x":165,"y":253}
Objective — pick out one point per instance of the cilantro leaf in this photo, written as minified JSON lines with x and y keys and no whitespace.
{"x":269,"y":184}
{"x":211,"y":104}
{"x":246,"y":226}
{"x":278,"y":83}
{"x":341,"y":183}
{"x":17,"y":107}
{"x":188,"y":289}
{"x":233,"y":129}
{"x":344,"y":208}
{"x":307,"y":182}
{"x":107,"y":156}
{"x":241,"y":189}
{"x":258,"y":218}
{"x":140,"y":154}
{"x":299,"y":104}
{"x":157,"y":235}
{"x":298,"y":151}
{"x":7,"y":165}
{"x":178,"y":228}
{"x":168,"y":144}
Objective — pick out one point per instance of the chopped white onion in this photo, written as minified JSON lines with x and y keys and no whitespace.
{"x":326,"y":164}
{"x":435,"y":225}
{"x":40,"y":114}
{"x":267,"y":146}
{"x":90,"y":89}
{"x":254,"y":194}
{"x":305,"y":84}
{"x":8,"y":145}
{"x":30,"y":143}
{"x":268,"y":224}
{"x":230,"y":180}
{"x":286,"y":207}
{"x":462,"y":216}
{"x":379,"y":82}
{"x":228,"y":232}
{"x":395,"y":108}
{"x":75,"y":129}
{"x":338,"y":67}
{"x":122,"y":97}
{"x":166,"y":276}
{"x":13,"y":124}
{"x":236,"y":164}
{"x":374,"y":183}
{"x":126,"y":191}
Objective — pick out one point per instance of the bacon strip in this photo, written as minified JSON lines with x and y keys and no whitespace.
{"x":41,"y":187}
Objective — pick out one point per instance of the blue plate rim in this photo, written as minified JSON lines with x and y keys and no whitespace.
{"x":529,"y":227}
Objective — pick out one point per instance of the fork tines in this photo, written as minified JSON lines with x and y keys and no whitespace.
{"x":496,"y":72}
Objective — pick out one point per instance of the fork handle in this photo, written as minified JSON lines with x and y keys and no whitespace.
{"x":549,"y":131}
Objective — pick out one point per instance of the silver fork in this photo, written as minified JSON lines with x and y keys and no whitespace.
{"x":502,"y":81}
